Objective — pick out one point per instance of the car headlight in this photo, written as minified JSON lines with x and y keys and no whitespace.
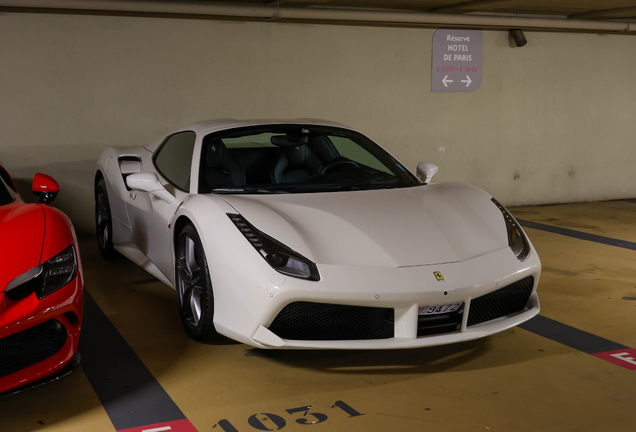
{"x":46,"y":278}
{"x":517,"y":239}
{"x":282,"y":258}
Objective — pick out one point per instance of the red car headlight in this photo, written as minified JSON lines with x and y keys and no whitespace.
{"x":46,"y":278}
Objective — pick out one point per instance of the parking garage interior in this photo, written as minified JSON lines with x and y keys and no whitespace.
{"x":549,"y":132}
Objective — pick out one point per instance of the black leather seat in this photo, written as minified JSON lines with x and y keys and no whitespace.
{"x":295,"y":164}
{"x":221,"y":168}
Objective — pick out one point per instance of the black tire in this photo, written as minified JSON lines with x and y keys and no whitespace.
{"x":195,"y":296}
{"x":103,"y":222}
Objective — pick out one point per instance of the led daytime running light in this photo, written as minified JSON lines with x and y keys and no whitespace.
{"x":517,"y":239}
{"x":280,"y":257}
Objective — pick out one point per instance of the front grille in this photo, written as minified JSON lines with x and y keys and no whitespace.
{"x":321,"y":321}
{"x":505,"y":301}
{"x":435,"y":324}
{"x":30,"y":346}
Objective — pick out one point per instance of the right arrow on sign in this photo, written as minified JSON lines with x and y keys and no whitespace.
{"x":446,"y":80}
{"x":467,"y":81}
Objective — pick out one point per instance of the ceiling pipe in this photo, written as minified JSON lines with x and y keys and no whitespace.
{"x":272,"y":12}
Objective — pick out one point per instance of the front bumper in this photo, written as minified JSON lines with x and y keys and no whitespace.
{"x":39,"y":338}
{"x":68,"y":369}
{"x":248,"y":315}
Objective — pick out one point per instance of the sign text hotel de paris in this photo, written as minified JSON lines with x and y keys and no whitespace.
{"x":457,"y":60}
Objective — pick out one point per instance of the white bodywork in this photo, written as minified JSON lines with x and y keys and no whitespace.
{"x":377,"y":248}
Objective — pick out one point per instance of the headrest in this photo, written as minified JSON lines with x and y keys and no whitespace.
{"x":216,"y":151}
{"x":297,"y":155}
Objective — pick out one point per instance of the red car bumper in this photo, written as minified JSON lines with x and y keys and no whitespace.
{"x":39,"y":338}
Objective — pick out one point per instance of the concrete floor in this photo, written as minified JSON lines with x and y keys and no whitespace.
{"x":518,"y":380}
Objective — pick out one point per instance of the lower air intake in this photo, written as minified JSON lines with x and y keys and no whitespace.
{"x":428,"y":325}
{"x":31,"y":346}
{"x":321,"y":321}
{"x":505,"y":301}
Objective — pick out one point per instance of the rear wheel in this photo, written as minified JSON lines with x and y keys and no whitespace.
{"x":194,"y":288}
{"x":103,"y":221}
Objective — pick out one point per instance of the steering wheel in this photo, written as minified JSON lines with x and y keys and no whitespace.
{"x":338,"y":162}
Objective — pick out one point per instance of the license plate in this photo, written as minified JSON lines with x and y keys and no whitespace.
{"x":438,"y":309}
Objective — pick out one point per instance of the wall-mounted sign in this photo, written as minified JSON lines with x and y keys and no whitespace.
{"x":457,"y":60}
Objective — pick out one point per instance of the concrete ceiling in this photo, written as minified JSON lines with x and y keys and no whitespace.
{"x":572,"y":9}
{"x":613,"y":16}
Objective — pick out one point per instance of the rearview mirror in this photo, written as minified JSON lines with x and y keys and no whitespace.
{"x":426,"y":171}
{"x":149,"y":182}
{"x":45,"y":187}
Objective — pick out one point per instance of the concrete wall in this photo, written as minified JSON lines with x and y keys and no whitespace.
{"x":552,"y":121}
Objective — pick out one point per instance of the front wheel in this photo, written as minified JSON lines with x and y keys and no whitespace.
{"x":103,"y":221}
{"x":194,"y":288}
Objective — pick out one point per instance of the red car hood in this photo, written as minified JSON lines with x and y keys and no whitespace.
{"x":21,"y":239}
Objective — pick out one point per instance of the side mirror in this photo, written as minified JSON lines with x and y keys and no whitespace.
{"x":426,"y":171}
{"x":45,"y":187}
{"x":149,"y":182}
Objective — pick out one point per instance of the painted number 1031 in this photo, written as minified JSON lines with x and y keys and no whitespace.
{"x":273,"y":422}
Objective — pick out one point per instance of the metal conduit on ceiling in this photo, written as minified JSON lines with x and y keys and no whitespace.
{"x":272,"y":11}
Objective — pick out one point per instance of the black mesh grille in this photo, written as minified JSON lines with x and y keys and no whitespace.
{"x":505,"y":301}
{"x":320,"y":321}
{"x":30,"y":346}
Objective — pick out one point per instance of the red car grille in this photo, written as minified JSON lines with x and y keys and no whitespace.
{"x":31,"y":346}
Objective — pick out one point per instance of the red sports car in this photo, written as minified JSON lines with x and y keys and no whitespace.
{"x":41,"y":288}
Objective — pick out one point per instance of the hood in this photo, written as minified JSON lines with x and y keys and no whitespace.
{"x":423,"y":225}
{"x":21,"y":239}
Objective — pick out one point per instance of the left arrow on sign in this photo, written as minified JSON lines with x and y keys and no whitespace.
{"x":467,"y":81}
{"x":446,"y":80}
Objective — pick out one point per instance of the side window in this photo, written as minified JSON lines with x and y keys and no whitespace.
{"x":6,"y":194}
{"x":174,"y":159}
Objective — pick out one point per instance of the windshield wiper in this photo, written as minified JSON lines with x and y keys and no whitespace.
{"x":246,"y":190}
{"x":341,"y":187}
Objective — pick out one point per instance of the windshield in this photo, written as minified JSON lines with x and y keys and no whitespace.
{"x":296,"y":159}
{"x":6,"y":194}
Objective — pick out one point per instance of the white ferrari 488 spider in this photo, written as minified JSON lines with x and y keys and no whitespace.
{"x":307,"y":234}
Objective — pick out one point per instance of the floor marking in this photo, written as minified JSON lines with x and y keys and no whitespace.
{"x":588,"y":343}
{"x":625,"y":358}
{"x":580,"y":340}
{"x":132,"y":397}
{"x":570,"y":336}
{"x":173,"y":426}
{"x":578,"y":234}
